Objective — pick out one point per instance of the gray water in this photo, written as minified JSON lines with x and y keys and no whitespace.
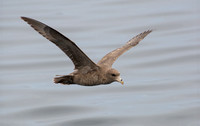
{"x":161,"y":74}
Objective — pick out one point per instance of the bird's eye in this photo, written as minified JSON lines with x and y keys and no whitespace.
{"x":113,"y":75}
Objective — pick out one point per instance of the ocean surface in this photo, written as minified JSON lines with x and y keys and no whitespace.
{"x":161,"y":74}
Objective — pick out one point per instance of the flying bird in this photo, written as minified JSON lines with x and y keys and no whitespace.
{"x":86,"y":72}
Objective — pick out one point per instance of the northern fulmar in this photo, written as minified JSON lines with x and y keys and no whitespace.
{"x":86,"y":72}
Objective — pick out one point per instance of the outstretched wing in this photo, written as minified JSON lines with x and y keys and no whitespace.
{"x":78,"y":57}
{"x":110,"y":58}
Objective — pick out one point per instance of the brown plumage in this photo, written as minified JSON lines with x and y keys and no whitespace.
{"x":86,"y":72}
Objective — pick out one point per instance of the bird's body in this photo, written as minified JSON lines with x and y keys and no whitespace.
{"x":86,"y":72}
{"x":91,"y":77}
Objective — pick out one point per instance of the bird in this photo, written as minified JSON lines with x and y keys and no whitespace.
{"x":86,"y":72}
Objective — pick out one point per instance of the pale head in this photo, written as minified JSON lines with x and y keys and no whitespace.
{"x":114,"y":75}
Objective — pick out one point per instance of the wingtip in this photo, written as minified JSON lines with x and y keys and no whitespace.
{"x":144,"y":34}
{"x":25,"y":18}
{"x":148,"y":31}
{"x":22,"y":17}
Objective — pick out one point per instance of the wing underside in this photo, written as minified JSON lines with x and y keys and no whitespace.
{"x":111,"y":57}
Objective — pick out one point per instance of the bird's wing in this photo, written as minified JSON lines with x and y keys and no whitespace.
{"x":110,"y":58}
{"x":78,"y":57}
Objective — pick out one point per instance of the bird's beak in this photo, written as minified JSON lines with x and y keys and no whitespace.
{"x":120,"y":80}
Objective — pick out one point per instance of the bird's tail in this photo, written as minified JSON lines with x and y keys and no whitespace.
{"x":66,"y":79}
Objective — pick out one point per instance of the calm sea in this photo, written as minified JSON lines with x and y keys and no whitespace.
{"x":161,"y":74}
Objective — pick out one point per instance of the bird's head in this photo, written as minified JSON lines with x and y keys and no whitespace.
{"x":114,"y":75}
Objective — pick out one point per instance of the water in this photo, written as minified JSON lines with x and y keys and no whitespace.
{"x":161,"y":74}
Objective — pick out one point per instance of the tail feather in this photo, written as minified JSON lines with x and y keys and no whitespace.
{"x":67,"y":79}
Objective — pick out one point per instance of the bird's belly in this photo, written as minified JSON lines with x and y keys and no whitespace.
{"x":88,"y":80}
